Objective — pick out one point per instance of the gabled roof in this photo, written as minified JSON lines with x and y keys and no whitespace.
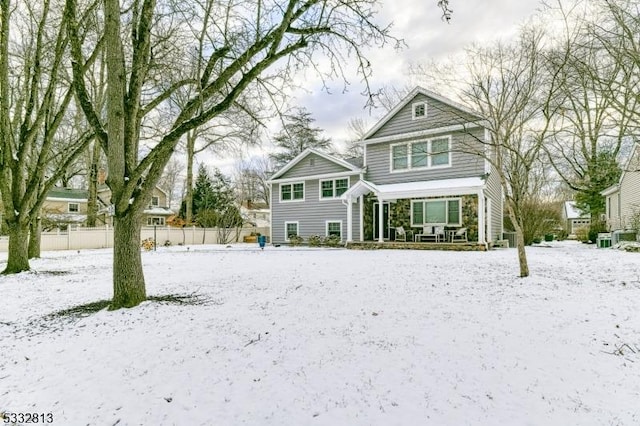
{"x":409,"y":98}
{"x":635,"y":153}
{"x":573,"y":212}
{"x":308,"y":151}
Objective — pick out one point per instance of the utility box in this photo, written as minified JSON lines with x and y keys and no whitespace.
{"x":603,"y":240}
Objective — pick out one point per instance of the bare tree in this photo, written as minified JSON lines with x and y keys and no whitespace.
{"x":357,"y":128}
{"x":595,"y":104}
{"x":171,"y":179}
{"x":511,"y":88}
{"x":251,"y":176}
{"x":244,"y":43}
{"x":34,"y":102}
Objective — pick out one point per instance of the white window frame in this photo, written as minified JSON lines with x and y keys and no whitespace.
{"x":333,"y":188}
{"x":286,"y":235}
{"x":326,"y":227}
{"x":413,"y":110}
{"x":157,"y":201}
{"x":73,"y":204}
{"x":292,"y":200}
{"x":446,"y":213}
{"x":430,"y":155}
{"x":151,"y":218}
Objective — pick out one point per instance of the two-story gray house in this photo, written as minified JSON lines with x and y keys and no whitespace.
{"x":425,"y":166}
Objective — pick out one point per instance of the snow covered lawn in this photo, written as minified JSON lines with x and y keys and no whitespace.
{"x":299,"y":336}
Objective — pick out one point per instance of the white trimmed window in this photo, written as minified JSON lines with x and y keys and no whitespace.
{"x":439,"y":211}
{"x":426,"y":154}
{"x":151,"y":221}
{"x":291,"y":228}
{"x":292,"y":191}
{"x":73,"y":207}
{"x":333,"y":227}
{"x":155,"y":201}
{"x":418,"y":110}
{"x":333,"y":188}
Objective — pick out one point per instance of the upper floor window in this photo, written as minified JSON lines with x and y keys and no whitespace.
{"x":155,"y":201}
{"x":420,"y":155}
{"x":292,"y":191}
{"x":418,"y":110}
{"x":333,"y":188}
{"x":74,"y":207}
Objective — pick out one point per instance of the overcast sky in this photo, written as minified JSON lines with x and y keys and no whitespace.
{"x":419,"y":23}
{"x":428,"y":37}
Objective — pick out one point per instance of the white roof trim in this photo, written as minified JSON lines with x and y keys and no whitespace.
{"x":610,"y":190}
{"x":430,"y":188}
{"x":634,"y":151}
{"x":308,"y":151}
{"x":409,"y":98}
{"x":314,"y":177}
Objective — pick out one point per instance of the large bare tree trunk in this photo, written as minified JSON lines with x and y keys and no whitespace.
{"x":18,"y":260}
{"x":92,"y":205}
{"x":522,"y":254}
{"x":128,"y":278}
{"x":35,"y":238}
{"x":188,"y":199}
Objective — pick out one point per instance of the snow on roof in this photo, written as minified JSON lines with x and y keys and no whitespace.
{"x":67,"y":217}
{"x":159,"y":211}
{"x":417,"y":189}
{"x":573,"y":212}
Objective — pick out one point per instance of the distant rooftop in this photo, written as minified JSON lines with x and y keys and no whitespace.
{"x":68,"y":193}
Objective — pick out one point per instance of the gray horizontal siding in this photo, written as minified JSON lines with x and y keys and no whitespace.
{"x":439,"y":114}
{"x":494,"y":193}
{"x":311,"y":214}
{"x":313,"y":165}
{"x":463,"y":164}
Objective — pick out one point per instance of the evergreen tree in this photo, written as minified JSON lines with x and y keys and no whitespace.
{"x":297,"y":135}
{"x":213,"y":200}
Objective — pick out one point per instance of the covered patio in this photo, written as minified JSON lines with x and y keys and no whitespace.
{"x":424,"y":213}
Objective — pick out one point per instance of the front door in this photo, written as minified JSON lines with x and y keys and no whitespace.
{"x":385,"y":221}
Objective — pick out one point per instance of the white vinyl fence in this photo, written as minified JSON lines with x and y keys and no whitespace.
{"x":93,"y":238}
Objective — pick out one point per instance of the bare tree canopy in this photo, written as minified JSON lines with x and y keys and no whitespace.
{"x":235,"y":47}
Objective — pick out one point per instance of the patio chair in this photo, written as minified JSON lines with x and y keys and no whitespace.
{"x":460,"y":236}
{"x":401,"y":234}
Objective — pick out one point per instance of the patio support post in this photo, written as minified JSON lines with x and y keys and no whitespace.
{"x":481,"y":217}
{"x":349,"y":219}
{"x":380,"y":220}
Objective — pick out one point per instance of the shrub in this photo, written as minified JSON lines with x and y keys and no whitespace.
{"x":332,"y":241}
{"x":295,"y":240}
{"x":595,"y":228}
{"x":315,"y":240}
{"x":147,"y":244}
{"x":582,"y":234}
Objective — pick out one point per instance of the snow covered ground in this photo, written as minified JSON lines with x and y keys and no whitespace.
{"x":300,"y":336}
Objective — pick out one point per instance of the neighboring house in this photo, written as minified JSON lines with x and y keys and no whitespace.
{"x":573,"y":218}
{"x":68,"y":206}
{"x":623,"y":199}
{"x":419,"y":170}
{"x":65,"y":206}
{"x":258,"y":215}
{"x":156,"y":213}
